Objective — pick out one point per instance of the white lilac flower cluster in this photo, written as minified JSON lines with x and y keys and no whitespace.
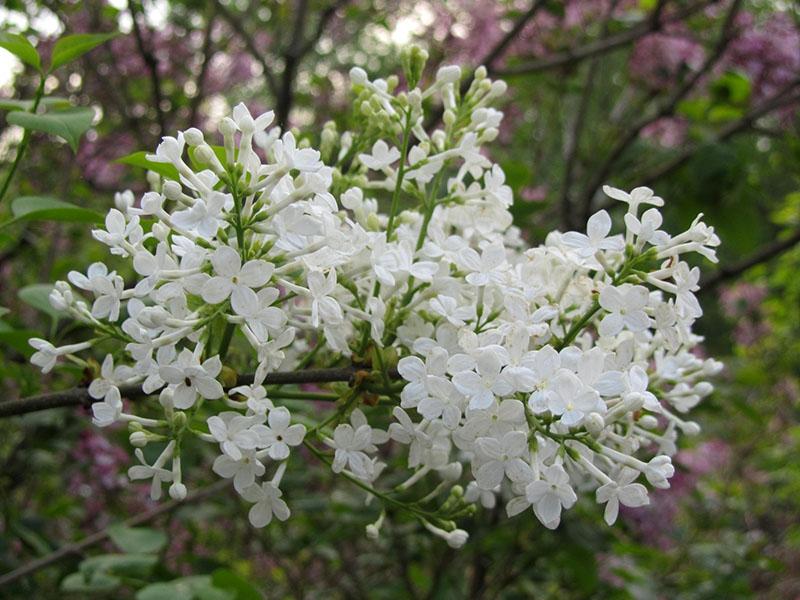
{"x":491,"y":371}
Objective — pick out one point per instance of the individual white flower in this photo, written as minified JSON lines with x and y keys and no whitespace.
{"x":448,"y":308}
{"x":46,"y":354}
{"x":382,"y":156}
{"x":109,"y":410}
{"x":621,"y":490}
{"x":110,"y":378}
{"x":256,"y":396}
{"x":596,"y":237}
{"x":659,"y":470}
{"x":268,"y":503}
{"x":484,"y":268}
{"x":156,"y":472}
{"x":235,"y":280}
{"x":280,"y":435}
{"x":625,"y":305}
{"x":637,"y":197}
{"x":244,"y":470}
{"x":234,"y":433}
{"x":191,"y":378}
{"x":572,"y":400}
{"x":324,"y":308}
{"x":349,"y":444}
{"x":550,"y":494}
{"x":482,"y":386}
{"x":503,"y":456}
{"x":205,"y":216}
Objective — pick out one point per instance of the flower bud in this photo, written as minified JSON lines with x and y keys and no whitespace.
{"x":594,"y":423}
{"x":457,"y":538}
{"x":172,"y":190}
{"x":449,"y":117}
{"x":227,"y":127}
{"x":193,"y":136}
{"x":448,"y":74}
{"x":177,"y":491}
{"x":358,"y":76}
{"x":138,"y":439}
{"x":451,"y":472}
{"x":648,"y":422}
{"x":413,"y":59}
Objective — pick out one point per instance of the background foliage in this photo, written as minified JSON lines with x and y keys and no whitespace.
{"x":698,"y":99}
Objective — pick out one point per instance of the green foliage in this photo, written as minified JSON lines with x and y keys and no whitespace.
{"x":20,"y":47}
{"x":70,"y":47}
{"x":42,"y":208}
{"x":69,"y":124}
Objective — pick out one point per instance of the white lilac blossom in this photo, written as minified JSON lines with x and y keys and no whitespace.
{"x":521,"y":375}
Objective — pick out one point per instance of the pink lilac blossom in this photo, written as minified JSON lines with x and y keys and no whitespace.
{"x":741,"y":303}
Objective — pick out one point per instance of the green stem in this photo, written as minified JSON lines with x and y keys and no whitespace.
{"x":24,"y":143}
{"x":418,"y":512}
{"x":400,"y":175}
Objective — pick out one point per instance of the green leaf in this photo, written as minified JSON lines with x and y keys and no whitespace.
{"x":68,"y":124}
{"x":733,"y":87}
{"x":231,"y":581}
{"x":56,"y":102}
{"x":137,"y":540}
{"x":38,"y":296}
{"x":4,"y":311}
{"x":20,"y":47}
{"x":139,"y":159}
{"x":99,"y":582}
{"x":43,"y":208}
{"x":195,"y":587}
{"x":70,"y":47}
{"x":17,"y":338}
{"x":131,"y":565}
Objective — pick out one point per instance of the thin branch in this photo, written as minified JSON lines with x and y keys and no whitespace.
{"x":295,"y":52}
{"x":572,"y":143}
{"x":206,"y":54}
{"x":760,"y":256}
{"x":79,"y":396}
{"x":152,"y":66}
{"x":77,"y":548}
{"x":572,"y":56}
{"x":239,"y":29}
{"x":666,"y":109}
{"x":788,"y":95}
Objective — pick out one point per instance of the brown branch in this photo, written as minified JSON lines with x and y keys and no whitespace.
{"x":572,"y":56}
{"x":760,"y":256}
{"x":206,"y":54}
{"x":79,"y":396}
{"x":239,"y":29}
{"x":298,"y":48}
{"x":666,"y":109}
{"x":77,"y":548}
{"x":152,"y":66}
{"x":788,"y":95}
{"x":572,"y":143}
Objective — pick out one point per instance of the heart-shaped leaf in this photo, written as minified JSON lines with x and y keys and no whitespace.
{"x":68,"y":124}
{"x":20,"y":47}
{"x":70,"y":47}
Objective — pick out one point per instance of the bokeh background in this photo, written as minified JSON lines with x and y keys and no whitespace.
{"x":698,"y":99}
